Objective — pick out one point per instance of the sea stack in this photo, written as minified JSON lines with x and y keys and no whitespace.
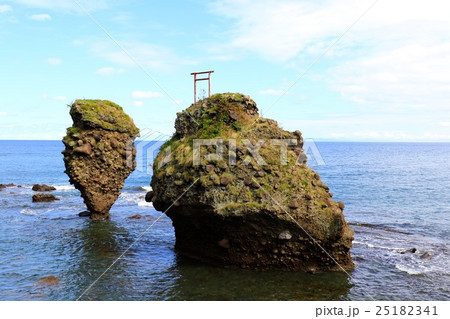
{"x":240,"y":194}
{"x":100,"y":153}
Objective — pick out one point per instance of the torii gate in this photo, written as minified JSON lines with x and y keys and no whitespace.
{"x":206,"y":78}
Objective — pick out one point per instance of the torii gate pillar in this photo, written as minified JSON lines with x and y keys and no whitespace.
{"x":206,"y":78}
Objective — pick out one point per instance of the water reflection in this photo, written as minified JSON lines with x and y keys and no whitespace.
{"x":95,"y":247}
{"x":197,"y":281}
{"x":151,"y":270}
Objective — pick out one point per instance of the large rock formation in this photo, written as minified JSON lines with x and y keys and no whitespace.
{"x":253,"y":203}
{"x":99,"y":153}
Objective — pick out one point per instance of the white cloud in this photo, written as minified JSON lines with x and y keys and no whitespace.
{"x":145,"y":94}
{"x":108,"y":71}
{"x":280,"y":30}
{"x":138,"y":103}
{"x":271,"y":92}
{"x":53,"y":61}
{"x":3,"y":114}
{"x":395,"y":58}
{"x":414,"y":76}
{"x":5,"y":8}
{"x":444,"y":124}
{"x":41,"y":17}
{"x":150,"y":56}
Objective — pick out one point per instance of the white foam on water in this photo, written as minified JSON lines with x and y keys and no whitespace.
{"x":378,"y":247}
{"x":29,"y":212}
{"x":146,"y":188}
{"x":34,"y":212}
{"x":135,"y":198}
{"x":58,"y":187}
{"x":415,"y":264}
{"x":145,"y":204}
{"x":411,"y":270}
{"x":64,"y":187}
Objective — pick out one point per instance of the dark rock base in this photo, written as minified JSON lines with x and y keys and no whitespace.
{"x":252,"y":241}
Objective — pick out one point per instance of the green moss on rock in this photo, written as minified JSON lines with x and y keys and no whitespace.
{"x":102,"y":114}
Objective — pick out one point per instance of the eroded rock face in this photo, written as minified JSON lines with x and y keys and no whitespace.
{"x":248,"y":207}
{"x":100,"y":153}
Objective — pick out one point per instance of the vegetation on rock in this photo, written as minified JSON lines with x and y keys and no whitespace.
{"x":102,"y":114}
{"x":246,"y":198}
{"x":100,"y":153}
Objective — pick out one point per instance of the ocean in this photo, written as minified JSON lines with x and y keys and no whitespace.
{"x":397,"y":201}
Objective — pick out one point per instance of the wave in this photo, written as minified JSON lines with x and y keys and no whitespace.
{"x":145,"y":204}
{"x":58,"y":187}
{"x":34,"y":212}
{"x":138,"y":188}
{"x":379,"y":247}
{"x":29,"y":212}
{"x":64,"y":187}
{"x":426,"y":259}
{"x":418,"y":266}
{"x":411,"y":270}
{"x":135,"y":198}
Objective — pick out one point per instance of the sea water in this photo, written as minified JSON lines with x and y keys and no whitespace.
{"x":397,"y":198}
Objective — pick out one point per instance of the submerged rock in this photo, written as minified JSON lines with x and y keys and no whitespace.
{"x":100,"y":153}
{"x":43,"y":188}
{"x":48,"y":281}
{"x":135,"y":217}
{"x":86,"y":213}
{"x":246,"y":198}
{"x":42,"y":198}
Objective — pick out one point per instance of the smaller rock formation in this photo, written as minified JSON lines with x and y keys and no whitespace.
{"x":44,"y":198}
{"x":100,"y":153}
{"x":43,"y":188}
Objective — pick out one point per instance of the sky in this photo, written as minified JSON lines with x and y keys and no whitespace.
{"x":338,"y":70}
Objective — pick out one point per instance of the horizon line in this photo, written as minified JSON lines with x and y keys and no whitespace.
{"x":314,"y":139}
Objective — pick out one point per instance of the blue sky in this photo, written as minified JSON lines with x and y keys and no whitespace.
{"x":386,"y":79}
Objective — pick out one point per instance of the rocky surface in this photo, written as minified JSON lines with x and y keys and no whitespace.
{"x":100,"y":153}
{"x":44,"y":198}
{"x":43,"y":188}
{"x":237,"y":210}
